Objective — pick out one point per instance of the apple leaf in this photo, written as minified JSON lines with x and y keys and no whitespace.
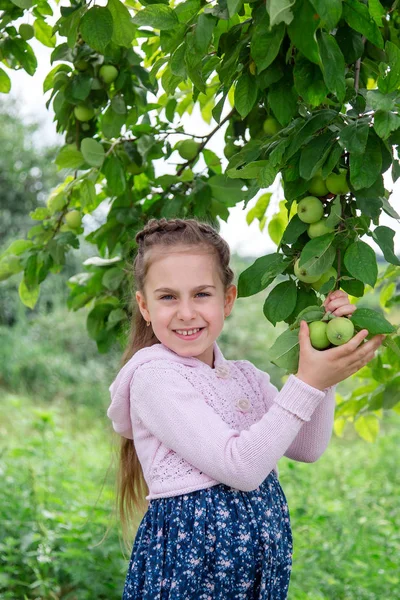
{"x":360,"y":261}
{"x":293,"y":230}
{"x":97,"y":28}
{"x":368,"y":318}
{"x":281,"y":301}
{"x":285,"y":351}
{"x":93,"y":152}
{"x":318,"y":254}
{"x":384,"y":237}
{"x":260,"y":274}
{"x":310,"y":314}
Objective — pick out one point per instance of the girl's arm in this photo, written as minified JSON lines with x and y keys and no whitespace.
{"x":175,"y":412}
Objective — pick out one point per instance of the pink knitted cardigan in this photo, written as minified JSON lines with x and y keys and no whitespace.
{"x":195,"y":426}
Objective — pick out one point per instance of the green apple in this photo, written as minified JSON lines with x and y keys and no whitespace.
{"x":108,"y":73}
{"x":302,"y":275}
{"x":318,"y":337}
{"x":340,"y":330}
{"x":318,"y":228}
{"x":81,"y":65}
{"x":26,"y":31}
{"x":349,"y":81}
{"x":271,"y":126}
{"x":230,"y":150}
{"x":336,"y":182}
{"x":317,"y":186}
{"x":73,"y":219}
{"x":135,"y":169}
{"x":84,"y":112}
{"x":188,"y":149}
{"x":310,"y":209}
{"x":331,"y":272}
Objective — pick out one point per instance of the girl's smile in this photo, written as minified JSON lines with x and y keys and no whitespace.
{"x":184,"y":295}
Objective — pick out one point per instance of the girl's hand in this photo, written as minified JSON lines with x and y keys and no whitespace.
{"x":323,"y":368}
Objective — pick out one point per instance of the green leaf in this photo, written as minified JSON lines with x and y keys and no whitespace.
{"x":212,"y":160}
{"x":97,"y":28}
{"x":245,"y":94}
{"x":318,"y":254}
{"x":293,"y":230}
{"x":69,"y":158}
{"x":335,"y":214}
{"x":282,"y":99}
{"x":280,"y":11}
{"x":309,"y":314}
{"x":306,"y":296}
{"x":367,"y":427}
{"x":357,"y":16}
{"x":353,"y":287}
{"x":111,"y":123}
{"x":234,"y":6}
{"x":276,"y":227}
{"x":203,"y":32}
{"x":23,"y":53}
{"x":115,"y":174}
{"x":353,"y":138}
{"x":379,"y":101}
{"x":367,"y":318}
{"x":95,"y":322}
{"x":350,"y":42}
{"x":116,"y":316}
{"x":158,"y":16}
{"x":29,"y":297}
{"x":249,"y":171}
{"x":123,"y":28}
{"x":284,"y":353}
{"x":376,"y":11}
{"x":365,"y":168}
{"x":177,"y":62}
{"x":227,"y":191}
{"x":280,"y":302}
{"x":391,"y":80}
{"x":267,"y":175}
{"x":384,"y":237}
{"x":265,"y":45}
{"x":302,"y":30}
{"x":23,"y":3}
{"x":5,"y":82}
{"x":43,"y":33}
{"x":360,"y":261}
{"x":260,"y":274}
{"x":311,"y":126}
{"x":330,"y":12}
{"x":112,"y":279}
{"x":385,"y":123}
{"x":309,"y":81}
{"x":314,"y":154}
{"x":333,"y":65}
{"x":93,"y":152}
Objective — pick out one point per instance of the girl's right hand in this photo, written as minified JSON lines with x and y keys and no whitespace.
{"x":323,"y":368}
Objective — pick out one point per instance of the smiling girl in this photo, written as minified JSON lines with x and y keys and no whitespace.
{"x":202,"y":435}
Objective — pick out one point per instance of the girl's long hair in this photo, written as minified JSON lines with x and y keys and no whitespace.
{"x":162,"y":234}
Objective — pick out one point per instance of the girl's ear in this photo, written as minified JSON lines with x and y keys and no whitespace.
{"x":140,"y":299}
{"x":230,"y":297}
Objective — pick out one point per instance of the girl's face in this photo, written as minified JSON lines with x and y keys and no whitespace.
{"x":183,"y":291}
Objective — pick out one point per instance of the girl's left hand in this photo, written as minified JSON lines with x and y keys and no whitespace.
{"x":337,"y":303}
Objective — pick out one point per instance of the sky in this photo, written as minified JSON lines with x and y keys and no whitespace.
{"x":27,"y":92}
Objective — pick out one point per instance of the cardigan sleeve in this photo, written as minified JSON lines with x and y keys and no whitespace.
{"x":314,"y":435}
{"x":176,"y":413}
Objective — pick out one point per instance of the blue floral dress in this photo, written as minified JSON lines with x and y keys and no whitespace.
{"x":217,"y":543}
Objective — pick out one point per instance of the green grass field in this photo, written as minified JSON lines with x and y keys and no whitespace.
{"x":57,"y":496}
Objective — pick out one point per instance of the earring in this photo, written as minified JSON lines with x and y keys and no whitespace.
{"x":148,"y":323}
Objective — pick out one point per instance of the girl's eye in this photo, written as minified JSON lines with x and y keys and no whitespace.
{"x":170,"y":296}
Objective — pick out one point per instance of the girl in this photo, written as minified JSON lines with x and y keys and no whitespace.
{"x":202,"y":435}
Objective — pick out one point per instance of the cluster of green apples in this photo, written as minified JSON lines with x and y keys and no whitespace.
{"x":84,"y":111}
{"x":337,"y":331}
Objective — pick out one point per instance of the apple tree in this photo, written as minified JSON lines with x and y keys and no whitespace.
{"x":312,"y":92}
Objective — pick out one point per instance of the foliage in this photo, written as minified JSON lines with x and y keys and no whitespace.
{"x":314,"y":95}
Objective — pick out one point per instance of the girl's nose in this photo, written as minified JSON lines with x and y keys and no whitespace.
{"x":186,"y":311}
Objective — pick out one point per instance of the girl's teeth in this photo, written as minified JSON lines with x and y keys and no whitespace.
{"x":190,"y":332}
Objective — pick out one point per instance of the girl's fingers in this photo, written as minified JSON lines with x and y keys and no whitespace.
{"x":351,"y":346}
{"x":343,"y":311}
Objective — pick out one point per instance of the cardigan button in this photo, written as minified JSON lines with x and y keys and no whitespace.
{"x":243,"y":404}
{"x":222,"y":371}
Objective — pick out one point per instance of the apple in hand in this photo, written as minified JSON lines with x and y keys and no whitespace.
{"x":302,"y":274}
{"x":317,"y":186}
{"x":336,"y":182}
{"x":310,"y":209}
{"x":331,"y":272}
{"x":318,"y":228}
{"x":318,"y":337}
{"x":340,"y":330}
